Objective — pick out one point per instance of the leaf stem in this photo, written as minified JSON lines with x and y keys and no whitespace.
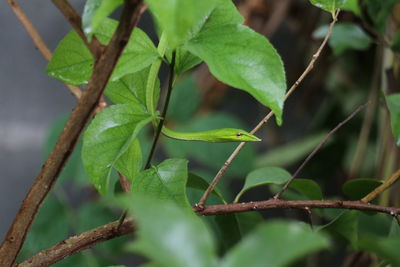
{"x":164,"y":111}
{"x":218,"y":176}
{"x":153,"y":74}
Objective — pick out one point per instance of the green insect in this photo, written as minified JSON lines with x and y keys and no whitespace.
{"x":215,"y":136}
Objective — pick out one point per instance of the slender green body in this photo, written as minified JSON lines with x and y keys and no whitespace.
{"x":216,"y":136}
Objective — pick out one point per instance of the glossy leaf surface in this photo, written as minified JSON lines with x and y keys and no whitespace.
{"x":242,"y":58}
{"x":72,"y":62}
{"x":106,"y":139}
{"x":95,"y":12}
{"x":166,"y":181}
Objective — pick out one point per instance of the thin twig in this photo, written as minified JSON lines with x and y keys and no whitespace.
{"x":377,"y":191}
{"x":228,"y":162}
{"x":37,"y":39}
{"x":75,"y":21}
{"x":92,"y":237}
{"x":317,"y":148}
{"x":79,"y":117}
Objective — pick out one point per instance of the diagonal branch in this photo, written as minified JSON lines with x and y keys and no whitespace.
{"x":95,"y":47}
{"x":78,"y":243}
{"x":317,"y":148}
{"x":92,"y":237}
{"x":228,"y":162}
{"x":80,"y":115}
{"x":37,"y":39}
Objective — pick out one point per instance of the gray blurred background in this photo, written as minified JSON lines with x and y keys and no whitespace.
{"x":30,"y":101}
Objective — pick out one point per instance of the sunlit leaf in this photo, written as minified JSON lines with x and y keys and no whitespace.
{"x":72,"y":63}
{"x":328,"y":5}
{"x":131,"y":89}
{"x":94,"y":13}
{"x":166,"y":181}
{"x":108,"y":136}
{"x":180,"y":19}
{"x":242,"y":58}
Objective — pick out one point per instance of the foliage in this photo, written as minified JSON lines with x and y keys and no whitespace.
{"x":116,"y":143}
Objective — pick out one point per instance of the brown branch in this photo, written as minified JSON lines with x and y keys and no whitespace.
{"x":92,"y":237}
{"x":317,"y":148}
{"x":228,"y":162}
{"x":377,"y":191}
{"x":78,"y":243}
{"x":37,"y":39}
{"x":80,"y":115}
{"x":95,"y":47}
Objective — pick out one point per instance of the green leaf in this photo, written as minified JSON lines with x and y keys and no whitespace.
{"x":106,"y":139}
{"x":386,"y":248}
{"x":352,"y":5}
{"x":170,"y":235}
{"x":345,"y":226}
{"x":356,"y":189}
{"x":130,"y":162}
{"x":212,"y":154}
{"x":184,"y":60}
{"x":264,"y":176}
{"x":275,"y":244}
{"x":180,"y":19}
{"x":328,"y":5}
{"x":72,"y":62}
{"x":291,"y":153}
{"x":242,"y":58}
{"x":393,"y":104}
{"x":166,"y":181}
{"x":345,"y":36}
{"x":131,"y":89}
{"x":307,"y":187}
{"x":95,"y":11}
